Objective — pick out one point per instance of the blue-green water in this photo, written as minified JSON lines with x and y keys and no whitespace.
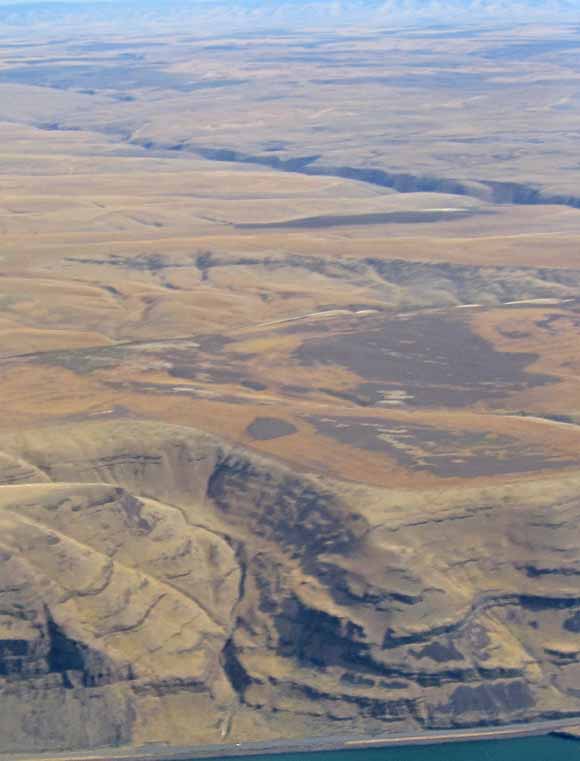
{"x":526,"y":749}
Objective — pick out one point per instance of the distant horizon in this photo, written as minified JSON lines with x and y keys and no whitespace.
{"x":382,"y":6}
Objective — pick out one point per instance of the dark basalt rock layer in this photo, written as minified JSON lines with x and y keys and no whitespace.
{"x":159,"y":584}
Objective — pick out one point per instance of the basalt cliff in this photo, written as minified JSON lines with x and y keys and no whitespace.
{"x":158,"y":584}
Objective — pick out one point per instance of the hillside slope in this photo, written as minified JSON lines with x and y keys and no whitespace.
{"x":159,"y":584}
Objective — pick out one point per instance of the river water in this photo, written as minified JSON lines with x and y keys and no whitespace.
{"x":526,"y":749}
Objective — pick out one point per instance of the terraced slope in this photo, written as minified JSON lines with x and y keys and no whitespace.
{"x":157,"y":583}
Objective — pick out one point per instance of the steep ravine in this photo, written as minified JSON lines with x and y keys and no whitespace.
{"x":165,"y":585}
{"x":493,"y":191}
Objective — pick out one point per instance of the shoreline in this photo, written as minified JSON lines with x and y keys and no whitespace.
{"x":565,"y":729}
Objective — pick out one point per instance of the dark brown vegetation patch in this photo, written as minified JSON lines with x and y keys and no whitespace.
{"x":432,"y":360}
{"x":266,"y":428}
{"x":441,"y":452}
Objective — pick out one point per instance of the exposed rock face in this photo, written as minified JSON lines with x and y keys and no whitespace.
{"x":406,"y":284}
{"x":158,"y":584}
{"x":495,"y":191}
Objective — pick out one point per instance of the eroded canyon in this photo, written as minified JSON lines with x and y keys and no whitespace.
{"x":290,"y":384}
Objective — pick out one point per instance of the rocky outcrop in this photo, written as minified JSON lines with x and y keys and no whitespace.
{"x":494,"y":191}
{"x":404,"y":284}
{"x":159,"y":584}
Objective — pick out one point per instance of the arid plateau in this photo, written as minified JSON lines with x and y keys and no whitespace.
{"x":290,"y":381}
